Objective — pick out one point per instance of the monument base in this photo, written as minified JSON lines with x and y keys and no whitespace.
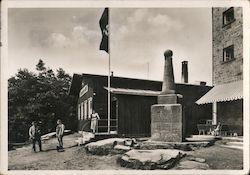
{"x":166,"y":122}
{"x":167,"y":99}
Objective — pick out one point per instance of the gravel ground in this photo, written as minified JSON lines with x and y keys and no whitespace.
{"x":218,"y":157}
{"x":75,"y":158}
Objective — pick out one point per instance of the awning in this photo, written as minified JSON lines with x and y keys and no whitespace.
{"x":133,"y":91}
{"x":224,"y":92}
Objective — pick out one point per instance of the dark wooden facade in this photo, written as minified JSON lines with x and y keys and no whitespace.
{"x":130,"y":114}
{"x":134,"y":114}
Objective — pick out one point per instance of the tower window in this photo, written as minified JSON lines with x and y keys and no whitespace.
{"x":228,"y":53}
{"x":228,"y":16}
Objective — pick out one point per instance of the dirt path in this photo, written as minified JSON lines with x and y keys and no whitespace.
{"x":75,"y":158}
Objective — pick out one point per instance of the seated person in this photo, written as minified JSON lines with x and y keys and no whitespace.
{"x":216,"y":131}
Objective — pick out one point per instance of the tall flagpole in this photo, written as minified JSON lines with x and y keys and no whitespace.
{"x":109,"y":33}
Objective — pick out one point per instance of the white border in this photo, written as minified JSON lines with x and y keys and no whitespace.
{"x":125,"y":4}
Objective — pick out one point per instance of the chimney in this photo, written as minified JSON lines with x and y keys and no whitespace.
{"x":184,"y":72}
{"x":201,"y":83}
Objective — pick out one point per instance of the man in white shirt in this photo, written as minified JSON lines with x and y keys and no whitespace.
{"x":59,"y":133}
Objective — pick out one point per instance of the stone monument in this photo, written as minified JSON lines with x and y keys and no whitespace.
{"x":166,"y":116}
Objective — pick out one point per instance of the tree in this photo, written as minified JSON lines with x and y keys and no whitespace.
{"x":40,"y":65}
{"x":20,"y":94}
{"x":41,"y":97}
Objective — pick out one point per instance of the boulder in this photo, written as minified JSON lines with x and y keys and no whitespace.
{"x":130,"y":142}
{"x":151,"y":159}
{"x":48,"y":136}
{"x":104,"y":147}
{"x":188,"y":164}
{"x":88,"y":135}
{"x":120,"y":149}
{"x":53,"y":134}
{"x":196,"y":159}
{"x":85,"y":138}
{"x":185,"y":146}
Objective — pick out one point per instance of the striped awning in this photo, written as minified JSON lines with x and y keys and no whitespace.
{"x":224,"y":92}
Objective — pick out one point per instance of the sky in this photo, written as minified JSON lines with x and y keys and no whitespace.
{"x":69,"y":38}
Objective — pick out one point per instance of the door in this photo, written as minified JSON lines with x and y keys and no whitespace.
{"x":135,"y":115}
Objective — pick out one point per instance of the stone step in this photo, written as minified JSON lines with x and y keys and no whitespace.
{"x":233,"y":146}
{"x":235,"y":143}
{"x":196,"y":138}
{"x":234,"y":139}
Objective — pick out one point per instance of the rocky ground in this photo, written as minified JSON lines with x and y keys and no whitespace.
{"x":76,"y":158}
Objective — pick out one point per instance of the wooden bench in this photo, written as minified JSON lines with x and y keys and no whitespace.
{"x":232,"y":129}
{"x":205,"y":128}
{"x":224,"y":129}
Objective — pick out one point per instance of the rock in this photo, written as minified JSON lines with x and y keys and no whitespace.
{"x":188,"y":164}
{"x":130,"y":142}
{"x":142,"y":139}
{"x":103,"y":147}
{"x":48,"y":136}
{"x":185,"y":146}
{"x":87,"y":135}
{"x":120,"y":149}
{"x":53,"y":134}
{"x":200,"y":160}
{"x":151,"y":159}
{"x":67,"y":132}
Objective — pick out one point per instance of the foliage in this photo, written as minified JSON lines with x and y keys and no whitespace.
{"x":39,"y":97}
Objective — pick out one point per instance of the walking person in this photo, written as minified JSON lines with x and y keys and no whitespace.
{"x":35,"y":136}
{"x":59,"y":134}
{"x":94,"y":118}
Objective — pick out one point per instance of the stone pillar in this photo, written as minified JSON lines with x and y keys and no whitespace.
{"x":168,"y":85}
{"x":166,"y":116}
{"x":168,"y":95}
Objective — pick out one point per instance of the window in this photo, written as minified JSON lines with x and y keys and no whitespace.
{"x":228,"y":53}
{"x":90,"y":107}
{"x":79,"y":111}
{"x":85,"y":109}
{"x":228,"y":16}
{"x":82,"y":111}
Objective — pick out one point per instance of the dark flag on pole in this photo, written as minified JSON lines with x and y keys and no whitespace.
{"x":104,"y":25}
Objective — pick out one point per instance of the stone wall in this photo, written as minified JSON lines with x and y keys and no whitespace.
{"x":224,"y":36}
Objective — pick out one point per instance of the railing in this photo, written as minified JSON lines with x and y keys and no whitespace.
{"x":102,"y":126}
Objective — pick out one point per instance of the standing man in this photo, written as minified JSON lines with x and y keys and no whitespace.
{"x":35,"y":135}
{"x":59,"y":134}
{"x":94,"y":118}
